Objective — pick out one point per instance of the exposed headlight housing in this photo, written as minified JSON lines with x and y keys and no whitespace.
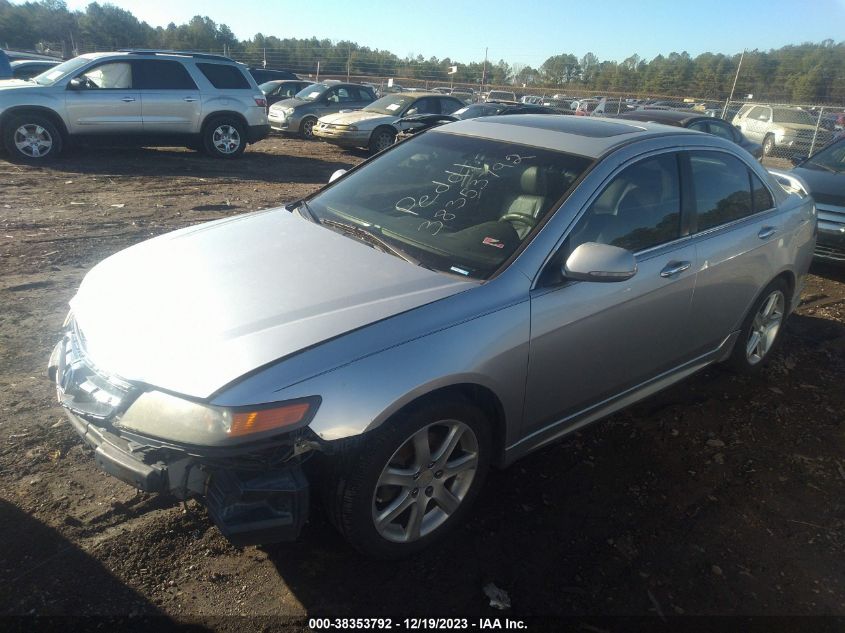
{"x":166,"y":417}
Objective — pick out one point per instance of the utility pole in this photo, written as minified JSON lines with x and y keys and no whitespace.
{"x":348,"y":61}
{"x":730,"y":98}
{"x":318,"y":70}
{"x":484,"y":72}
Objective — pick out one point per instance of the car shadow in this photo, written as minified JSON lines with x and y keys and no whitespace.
{"x":47,"y":577}
{"x":254,"y":165}
{"x":829,"y":270}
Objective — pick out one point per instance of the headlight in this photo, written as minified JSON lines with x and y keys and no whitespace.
{"x":167,"y":417}
{"x":287,"y":111}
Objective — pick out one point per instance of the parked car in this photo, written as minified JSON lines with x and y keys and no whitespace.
{"x":781,"y":130}
{"x":501,"y":95}
{"x":281,"y":89}
{"x":697,"y":121}
{"x":467,"y":96}
{"x":585,"y":107}
{"x":459,"y":301}
{"x":299,"y":114}
{"x":26,"y":69}
{"x":134,"y":97}
{"x":823,"y":177}
{"x":375,"y":126}
{"x":263,"y":75}
{"x":417,"y":123}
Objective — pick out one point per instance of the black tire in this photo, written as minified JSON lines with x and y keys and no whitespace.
{"x":306,"y":128}
{"x":45,"y":139}
{"x":768,"y":145}
{"x":742,"y":360}
{"x":349,"y":478}
{"x":224,"y":137}
{"x":381,"y":139}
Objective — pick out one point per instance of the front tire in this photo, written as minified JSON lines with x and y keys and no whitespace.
{"x":381,"y":139}
{"x":768,"y":145}
{"x":32,"y":139}
{"x":306,"y":128}
{"x":412,"y":480}
{"x":762,"y":329}
{"x":224,"y":137}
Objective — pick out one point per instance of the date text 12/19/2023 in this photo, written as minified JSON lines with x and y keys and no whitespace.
{"x":414,"y":624}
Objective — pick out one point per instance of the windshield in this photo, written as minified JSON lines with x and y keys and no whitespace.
{"x":831,"y":158}
{"x":312,"y":92}
{"x":56,"y":73}
{"x":787,"y":115}
{"x":268,"y":87}
{"x":457,"y":204}
{"x":391,"y":104}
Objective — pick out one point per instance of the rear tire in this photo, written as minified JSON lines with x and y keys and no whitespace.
{"x":762,"y":329}
{"x":399,"y":488}
{"x":224,"y":137}
{"x":32,"y":138}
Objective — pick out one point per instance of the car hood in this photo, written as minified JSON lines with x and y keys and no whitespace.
{"x":292,"y":102}
{"x":824,"y":186}
{"x":193,"y":310}
{"x":18,"y":84}
{"x":795,"y":127}
{"x":358,"y":117}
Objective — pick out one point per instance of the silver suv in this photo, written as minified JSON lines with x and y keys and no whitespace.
{"x":781,"y":130}
{"x":205,"y":102}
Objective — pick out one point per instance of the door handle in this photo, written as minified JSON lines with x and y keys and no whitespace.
{"x":766,"y":232}
{"x":128,"y":99}
{"x":189,"y":99}
{"x":673,"y":268}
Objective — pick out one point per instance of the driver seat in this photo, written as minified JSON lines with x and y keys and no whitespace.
{"x":531,"y":201}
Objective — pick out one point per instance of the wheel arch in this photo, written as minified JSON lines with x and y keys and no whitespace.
{"x":221,"y":114}
{"x":54,"y":117}
{"x":473,"y":392}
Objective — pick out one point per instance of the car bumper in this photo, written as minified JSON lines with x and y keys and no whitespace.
{"x":281,"y":123}
{"x":344,"y":138}
{"x":257,"y":133}
{"x":248,"y":505}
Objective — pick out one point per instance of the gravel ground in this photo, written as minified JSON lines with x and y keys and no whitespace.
{"x":721,"y":495}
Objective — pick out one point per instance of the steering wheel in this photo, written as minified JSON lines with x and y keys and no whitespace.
{"x":522,"y":218}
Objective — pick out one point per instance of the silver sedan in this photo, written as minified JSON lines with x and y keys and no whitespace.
{"x":461,"y":300}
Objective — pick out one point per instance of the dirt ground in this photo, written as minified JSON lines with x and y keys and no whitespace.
{"x":722,"y":495}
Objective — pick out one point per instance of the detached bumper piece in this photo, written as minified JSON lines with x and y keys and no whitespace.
{"x":257,"y":508}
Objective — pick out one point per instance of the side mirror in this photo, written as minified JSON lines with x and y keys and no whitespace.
{"x":797,"y":160}
{"x":76,"y":84}
{"x":600,"y":262}
{"x":336,"y":175}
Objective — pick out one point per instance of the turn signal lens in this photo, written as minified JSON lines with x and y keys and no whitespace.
{"x":267,"y":419}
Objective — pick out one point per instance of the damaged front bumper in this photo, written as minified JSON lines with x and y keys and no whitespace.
{"x":255,"y":493}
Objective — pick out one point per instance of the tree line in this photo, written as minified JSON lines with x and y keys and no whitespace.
{"x":805,"y":73}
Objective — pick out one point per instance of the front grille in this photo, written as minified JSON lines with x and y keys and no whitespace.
{"x":88,"y":392}
{"x":830,"y":252}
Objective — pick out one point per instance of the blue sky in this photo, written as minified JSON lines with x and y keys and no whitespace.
{"x":519,"y":31}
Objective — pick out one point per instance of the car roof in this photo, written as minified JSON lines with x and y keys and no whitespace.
{"x":669,"y":117}
{"x":587,"y":136}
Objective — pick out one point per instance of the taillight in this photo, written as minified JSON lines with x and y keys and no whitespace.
{"x":261,"y":102}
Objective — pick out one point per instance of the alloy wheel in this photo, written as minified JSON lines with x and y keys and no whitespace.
{"x":33,"y":140}
{"x":425,"y":481}
{"x":765,"y":327}
{"x":226,"y":139}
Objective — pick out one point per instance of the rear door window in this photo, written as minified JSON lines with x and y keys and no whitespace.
{"x":721,"y":189}
{"x":224,"y":76}
{"x":157,"y":74}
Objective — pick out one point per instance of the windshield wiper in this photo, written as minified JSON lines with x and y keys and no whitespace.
{"x":371,"y":238}
{"x":302,"y":205}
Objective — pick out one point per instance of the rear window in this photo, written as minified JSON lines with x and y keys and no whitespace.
{"x":224,"y":77}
